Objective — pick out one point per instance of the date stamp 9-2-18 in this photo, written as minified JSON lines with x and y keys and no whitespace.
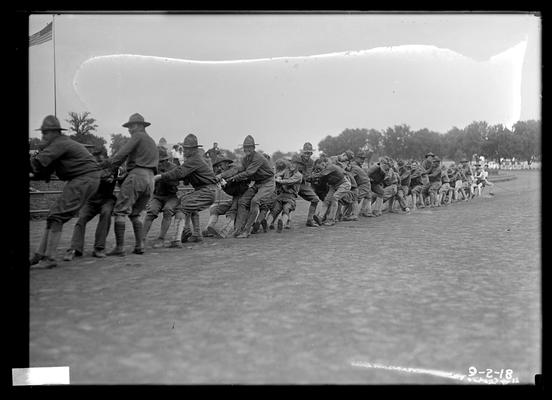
{"x":489,"y":375}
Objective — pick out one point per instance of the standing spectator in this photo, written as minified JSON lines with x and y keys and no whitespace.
{"x":101,"y":203}
{"x":142,"y":159}
{"x":71,"y":162}
{"x":214,"y":152}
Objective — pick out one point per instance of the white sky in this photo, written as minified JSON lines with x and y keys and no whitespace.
{"x":213,"y":75}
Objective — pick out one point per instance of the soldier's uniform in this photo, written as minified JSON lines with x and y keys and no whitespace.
{"x":416,"y":185}
{"x":435,"y":176}
{"x":197,"y":172}
{"x":165,"y":200}
{"x":254,"y":167}
{"x":227,"y":204}
{"x":71,"y":162}
{"x":403,"y":186}
{"x":445,"y":190}
{"x":426,"y":166}
{"x":305,"y":165}
{"x":364,"y":186}
{"x":338,"y":187}
{"x":142,"y":158}
{"x":288,"y":183}
{"x":101,"y":203}
{"x":377,"y":174}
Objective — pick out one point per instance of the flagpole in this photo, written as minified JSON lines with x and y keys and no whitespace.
{"x":54,"y":44}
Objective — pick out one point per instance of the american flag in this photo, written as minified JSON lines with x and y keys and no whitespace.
{"x":42,"y":36}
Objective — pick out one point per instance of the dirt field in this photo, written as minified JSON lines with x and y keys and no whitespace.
{"x":438,"y":289}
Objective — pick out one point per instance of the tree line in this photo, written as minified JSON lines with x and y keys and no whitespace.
{"x":494,"y":142}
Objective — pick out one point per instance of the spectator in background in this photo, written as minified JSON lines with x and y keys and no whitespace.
{"x":214,"y":152}
{"x":176,"y":153}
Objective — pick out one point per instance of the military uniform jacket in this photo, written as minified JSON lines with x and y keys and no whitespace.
{"x":360,"y":176}
{"x":332,"y":175}
{"x":376,"y":175}
{"x":64,"y":157}
{"x":290,"y":183}
{"x":166,"y":187}
{"x":194,"y":171}
{"x":253,"y":167}
{"x":305,"y":168}
{"x":140,"y":151}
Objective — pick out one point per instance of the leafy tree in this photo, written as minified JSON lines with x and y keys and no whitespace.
{"x":82,"y":125}
{"x":395,"y":139}
{"x":529,"y":136}
{"x":374,"y":142}
{"x":117,"y":141}
{"x":420,"y":142}
{"x":349,"y":139}
{"x":473,"y":137}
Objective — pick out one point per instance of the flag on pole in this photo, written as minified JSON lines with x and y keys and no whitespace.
{"x":42,"y":36}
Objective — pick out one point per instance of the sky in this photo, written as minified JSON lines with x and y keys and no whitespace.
{"x":286,"y":79}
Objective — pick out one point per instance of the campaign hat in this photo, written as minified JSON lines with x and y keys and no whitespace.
{"x":50,"y":123}
{"x":136,"y":119}
{"x":190,"y":142}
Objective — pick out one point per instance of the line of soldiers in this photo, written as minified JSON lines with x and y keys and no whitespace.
{"x":250,"y":193}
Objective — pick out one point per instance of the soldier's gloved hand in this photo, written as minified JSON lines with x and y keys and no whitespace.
{"x":31,"y":175}
{"x":156,"y":178}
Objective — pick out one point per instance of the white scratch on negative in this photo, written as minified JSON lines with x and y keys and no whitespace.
{"x":433,"y":372}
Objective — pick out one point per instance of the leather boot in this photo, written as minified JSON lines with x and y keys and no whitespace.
{"x":49,"y":260}
{"x":165,"y":225}
{"x":332,"y":212}
{"x":119,"y":228}
{"x":177,"y":238}
{"x":39,"y":255}
{"x":312,"y":211}
{"x":213,"y":218}
{"x":138,"y":229}
{"x":196,"y":229}
{"x":377,"y":206}
{"x":147,"y":226}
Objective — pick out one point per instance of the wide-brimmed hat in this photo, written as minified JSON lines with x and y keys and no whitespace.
{"x":190,"y":141}
{"x":430,"y":154}
{"x":307,"y":148}
{"x":361,"y":154}
{"x":136,"y":119}
{"x":436,"y":159}
{"x":249,"y":141}
{"x":50,"y":123}
{"x":221,"y":160}
{"x":163,"y":153}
